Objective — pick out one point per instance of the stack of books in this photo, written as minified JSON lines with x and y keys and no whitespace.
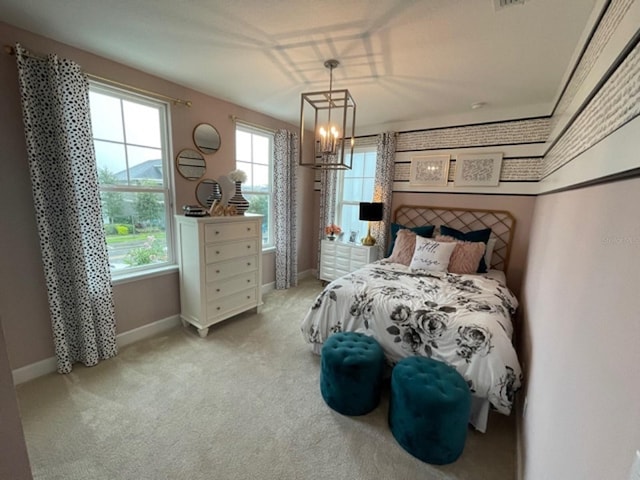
{"x":194,"y":211}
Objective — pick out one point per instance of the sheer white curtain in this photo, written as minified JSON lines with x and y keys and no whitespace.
{"x":285,"y":168}
{"x":383,"y":187}
{"x":64,"y":179}
{"x":328,"y":185}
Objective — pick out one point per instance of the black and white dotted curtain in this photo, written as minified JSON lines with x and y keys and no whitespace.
{"x":285,"y":167}
{"x":64,"y":179}
{"x":383,"y":187}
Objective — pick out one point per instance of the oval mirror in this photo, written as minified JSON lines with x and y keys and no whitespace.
{"x":206,"y":138}
{"x":207,"y":191}
{"x":190,"y":164}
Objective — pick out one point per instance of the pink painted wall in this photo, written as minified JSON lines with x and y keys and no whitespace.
{"x":23,"y":302}
{"x":582,"y":334}
{"x":14,"y":459}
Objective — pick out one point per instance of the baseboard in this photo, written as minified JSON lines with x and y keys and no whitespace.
{"x":270,"y":287}
{"x":49,"y":365}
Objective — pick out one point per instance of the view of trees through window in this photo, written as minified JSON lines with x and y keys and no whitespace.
{"x":129,"y":137}
{"x":254,"y":154}
{"x":355,"y":186}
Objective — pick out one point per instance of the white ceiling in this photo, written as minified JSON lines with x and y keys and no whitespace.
{"x":406,"y":62}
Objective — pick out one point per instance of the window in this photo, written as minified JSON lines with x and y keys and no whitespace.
{"x":254,"y":156}
{"x":130,"y":138}
{"x":355,"y":186}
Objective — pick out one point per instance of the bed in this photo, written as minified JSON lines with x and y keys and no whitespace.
{"x":464,"y":320}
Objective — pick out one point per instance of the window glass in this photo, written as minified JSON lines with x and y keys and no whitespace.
{"x":130,"y":135}
{"x":254,"y":156}
{"x":355,"y":186}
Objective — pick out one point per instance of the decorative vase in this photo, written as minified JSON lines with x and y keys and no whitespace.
{"x":241,"y":203}
{"x":331,"y":237}
{"x":216,"y":194}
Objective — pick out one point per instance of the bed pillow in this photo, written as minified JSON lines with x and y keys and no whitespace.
{"x":431,"y":255}
{"x":474,"y":236}
{"x":465,"y":256}
{"x":403,"y":247}
{"x":488,"y":254}
{"x":424,"y":231}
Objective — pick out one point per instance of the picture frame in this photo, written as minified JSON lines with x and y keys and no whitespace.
{"x":353,"y":237}
{"x":429,"y":170}
{"x":478,"y":169}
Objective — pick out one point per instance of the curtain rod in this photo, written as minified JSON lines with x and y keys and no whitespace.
{"x":10,"y":50}
{"x":250,"y":124}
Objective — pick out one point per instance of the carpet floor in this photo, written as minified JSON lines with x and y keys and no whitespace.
{"x":243,"y":403}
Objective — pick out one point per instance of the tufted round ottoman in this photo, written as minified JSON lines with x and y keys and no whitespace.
{"x":351,"y":373}
{"x":429,"y":409}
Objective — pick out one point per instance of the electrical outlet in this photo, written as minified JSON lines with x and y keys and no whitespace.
{"x":635,"y":468}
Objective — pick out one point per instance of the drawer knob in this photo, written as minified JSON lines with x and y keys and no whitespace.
{"x":248,"y":229}
{"x":248,"y":280}
{"x":217,"y":252}
{"x":248,"y":246}
{"x":217,"y":271}
{"x":217,"y":289}
{"x":217,"y":232}
{"x":217,"y":308}
{"x":248,"y":264}
{"x":248,"y":297}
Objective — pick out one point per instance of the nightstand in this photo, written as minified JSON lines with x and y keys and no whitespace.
{"x":339,"y":258}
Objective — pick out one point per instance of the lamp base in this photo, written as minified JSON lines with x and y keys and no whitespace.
{"x":368,"y":241}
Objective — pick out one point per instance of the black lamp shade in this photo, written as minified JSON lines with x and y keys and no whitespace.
{"x":371,"y":212}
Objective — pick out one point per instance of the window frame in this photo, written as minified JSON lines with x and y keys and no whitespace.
{"x":270,"y":135}
{"x":340,"y":202}
{"x":166,"y":189}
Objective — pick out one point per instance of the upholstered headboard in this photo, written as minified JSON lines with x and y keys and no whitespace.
{"x":501,"y":223}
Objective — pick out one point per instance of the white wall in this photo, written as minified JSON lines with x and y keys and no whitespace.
{"x":582,"y":306}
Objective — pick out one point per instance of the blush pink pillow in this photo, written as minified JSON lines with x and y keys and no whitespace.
{"x":465,"y":256}
{"x":404,"y":247}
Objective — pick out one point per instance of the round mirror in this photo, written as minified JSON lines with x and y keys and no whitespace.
{"x":207,"y":191}
{"x":206,"y":138}
{"x":190,"y":164}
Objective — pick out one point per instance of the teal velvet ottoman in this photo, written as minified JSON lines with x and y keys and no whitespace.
{"x":429,"y":409}
{"x":351,"y":373}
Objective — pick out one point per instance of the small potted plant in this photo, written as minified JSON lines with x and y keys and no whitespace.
{"x":332,"y":230}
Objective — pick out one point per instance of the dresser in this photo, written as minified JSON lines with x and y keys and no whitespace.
{"x":220,"y":268}
{"x":338,"y":258}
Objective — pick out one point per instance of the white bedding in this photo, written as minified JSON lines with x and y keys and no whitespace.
{"x":462,"y":320}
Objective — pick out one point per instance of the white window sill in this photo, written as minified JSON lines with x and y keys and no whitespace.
{"x":136,"y":276}
{"x":268,"y":249}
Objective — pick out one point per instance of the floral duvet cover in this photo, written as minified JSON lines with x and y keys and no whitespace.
{"x":462,"y":320}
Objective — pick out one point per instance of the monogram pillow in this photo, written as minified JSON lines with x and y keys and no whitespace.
{"x":431,"y":255}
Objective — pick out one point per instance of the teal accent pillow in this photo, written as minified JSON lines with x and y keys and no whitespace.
{"x":425,"y":231}
{"x":474,"y":236}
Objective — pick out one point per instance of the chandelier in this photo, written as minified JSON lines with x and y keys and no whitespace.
{"x":332,"y":113}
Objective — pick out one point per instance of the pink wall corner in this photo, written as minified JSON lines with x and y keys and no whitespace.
{"x":582,"y":334}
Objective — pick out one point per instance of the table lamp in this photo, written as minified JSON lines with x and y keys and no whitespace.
{"x":370,"y":212}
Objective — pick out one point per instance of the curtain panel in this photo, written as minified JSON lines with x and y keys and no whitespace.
{"x":55,"y":104}
{"x":383,"y":188}
{"x":285,"y":168}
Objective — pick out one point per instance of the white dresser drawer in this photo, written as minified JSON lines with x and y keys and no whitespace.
{"x":231,"y":285}
{"x":224,"y":251}
{"x":222,"y":232}
{"x":360,"y":255}
{"x":222,"y":270}
{"x":237,"y":302}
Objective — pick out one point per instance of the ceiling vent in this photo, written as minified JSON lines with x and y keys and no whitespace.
{"x":500,"y":4}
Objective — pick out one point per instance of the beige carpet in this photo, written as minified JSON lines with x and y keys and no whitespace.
{"x":244,"y":403}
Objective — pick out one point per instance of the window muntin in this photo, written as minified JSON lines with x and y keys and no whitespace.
{"x":254,"y":156}
{"x":355,"y":186}
{"x":131,"y":144}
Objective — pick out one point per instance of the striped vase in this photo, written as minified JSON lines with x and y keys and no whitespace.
{"x":241,"y":203}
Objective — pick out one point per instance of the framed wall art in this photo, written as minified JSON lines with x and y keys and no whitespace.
{"x":429,"y":170}
{"x":478,"y":169}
